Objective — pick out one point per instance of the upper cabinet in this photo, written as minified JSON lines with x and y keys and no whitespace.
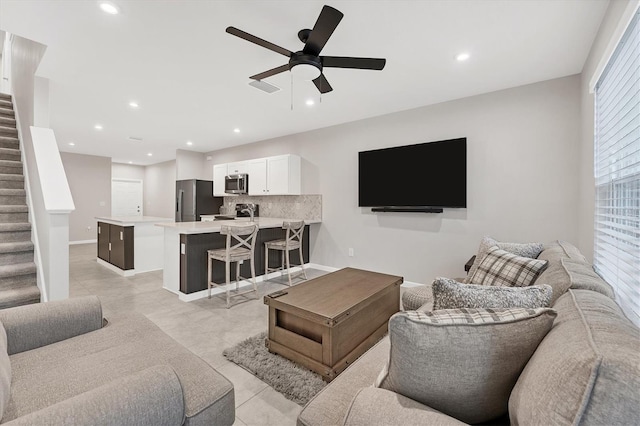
{"x":279,"y":175}
{"x":219,"y":173}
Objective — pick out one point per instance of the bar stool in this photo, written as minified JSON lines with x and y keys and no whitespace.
{"x":292,"y":241}
{"x":241,"y":241}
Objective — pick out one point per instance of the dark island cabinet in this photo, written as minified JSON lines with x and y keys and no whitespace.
{"x":115,"y":245}
{"x":193,"y":257}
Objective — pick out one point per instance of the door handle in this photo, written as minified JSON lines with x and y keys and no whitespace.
{"x":109,"y":246}
{"x":121,"y":237}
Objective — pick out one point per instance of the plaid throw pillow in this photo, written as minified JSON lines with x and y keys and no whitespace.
{"x":502,"y":268}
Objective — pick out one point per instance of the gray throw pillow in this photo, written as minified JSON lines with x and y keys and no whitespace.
{"x":502,"y":268}
{"x":462,"y":362}
{"x":5,"y":372}
{"x":531,"y":250}
{"x":450,"y":294}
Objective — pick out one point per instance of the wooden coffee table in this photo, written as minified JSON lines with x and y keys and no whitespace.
{"x":326,"y":323}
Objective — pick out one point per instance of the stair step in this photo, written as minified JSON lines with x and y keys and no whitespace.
{"x":8,"y":131}
{"x":15,"y":253}
{"x":9,"y":181}
{"x":7,"y":112}
{"x":14,"y":232}
{"x":7,"y":121}
{"x":13,"y":197}
{"x":5,"y":96}
{"x":17,"y":281}
{"x":10,"y":154}
{"x":9,"y":142}
{"x":17,"y":269}
{"x":20,"y":296}
{"x":6,"y":103}
{"x":10,"y":167}
{"x":14,"y":214}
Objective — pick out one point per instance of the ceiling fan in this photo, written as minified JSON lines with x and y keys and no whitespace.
{"x":308,"y":63}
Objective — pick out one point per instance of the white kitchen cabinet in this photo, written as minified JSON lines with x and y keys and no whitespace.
{"x":238,"y":167}
{"x":219,"y":173}
{"x":258,"y":176}
{"x":279,"y":175}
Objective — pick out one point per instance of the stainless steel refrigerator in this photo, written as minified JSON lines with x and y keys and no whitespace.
{"x":194,"y":198}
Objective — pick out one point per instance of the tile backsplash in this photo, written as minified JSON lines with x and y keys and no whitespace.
{"x":307,"y":207}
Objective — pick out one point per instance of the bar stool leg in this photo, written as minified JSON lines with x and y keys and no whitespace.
{"x":209,"y":275}
{"x":253,"y":277}
{"x":237,"y":275}
{"x":288,"y":266}
{"x":302,"y":262}
{"x":266,"y":262}
{"x":282,"y":264}
{"x":228,"y":282}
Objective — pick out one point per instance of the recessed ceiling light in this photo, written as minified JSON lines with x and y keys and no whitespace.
{"x":150,"y":154}
{"x":98,"y":127}
{"x":462,"y":56}
{"x":236,"y":130}
{"x":189,"y":143}
{"x":130,"y":162}
{"x":309,"y":102}
{"x":133,"y":104}
{"x":109,"y":7}
{"x":72,"y":144}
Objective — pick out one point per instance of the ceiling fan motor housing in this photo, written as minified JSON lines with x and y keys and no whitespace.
{"x":306,"y":72}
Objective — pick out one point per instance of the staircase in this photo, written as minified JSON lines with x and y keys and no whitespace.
{"x":17,"y":269}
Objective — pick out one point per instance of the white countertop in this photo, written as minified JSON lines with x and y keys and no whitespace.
{"x":132,"y":220}
{"x":206,"y":227}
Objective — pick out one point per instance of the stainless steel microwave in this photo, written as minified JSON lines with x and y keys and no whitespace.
{"x":236,"y":184}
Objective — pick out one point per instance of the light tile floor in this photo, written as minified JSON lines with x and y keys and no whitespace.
{"x":204,"y":326}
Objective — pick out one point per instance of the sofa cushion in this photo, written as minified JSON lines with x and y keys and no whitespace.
{"x":531,"y":250}
{"x":5,"y":372}
{"x":330,"y":405}
{"x":415,"y":297}
{"x":502,"y":268}
{"x":586,"y":370}
{"x":150,"y":397}
{"x":128,"y":344}
{"x":398,"y":410}
{"x":583,"y":277}
{"x":462,"y":362}
{"x":449,"y":294}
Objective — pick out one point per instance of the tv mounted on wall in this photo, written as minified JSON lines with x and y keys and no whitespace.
{"x":425,"y":177}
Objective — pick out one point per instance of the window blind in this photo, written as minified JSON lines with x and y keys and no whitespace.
{"x":617,"y":172}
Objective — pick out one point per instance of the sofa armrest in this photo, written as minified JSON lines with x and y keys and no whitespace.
{"x":33,"y":326}
{"x":150,"y":397}
{"x":373,"y":406}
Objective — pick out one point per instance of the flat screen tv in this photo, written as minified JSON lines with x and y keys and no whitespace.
{"x":432,"y":174}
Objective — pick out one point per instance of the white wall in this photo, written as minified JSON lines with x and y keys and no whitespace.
{"x":522,"y":179}
{"x":89,"y":178}
{"x":190,"y":165}
{"x":615,"y":19}
{"x":127,"y":171}
{"x":160,"y":189}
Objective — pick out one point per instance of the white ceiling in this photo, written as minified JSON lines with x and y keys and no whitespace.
{"x":190,"y":77}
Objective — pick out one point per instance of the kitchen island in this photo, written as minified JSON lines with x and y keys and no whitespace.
{"x":130,"y":245}
{"x":186,"y":245}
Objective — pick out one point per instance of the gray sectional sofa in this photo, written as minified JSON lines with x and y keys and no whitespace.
{"x":586,"y":370}
{"x":62,"y":364}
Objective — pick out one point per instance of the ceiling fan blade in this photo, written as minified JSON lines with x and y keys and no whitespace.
{"x":325,"y":26}
{"x":260,"y":42}
{"x":277,"y":70}
{"x":359,"y":63}
{"x":322,"y":84}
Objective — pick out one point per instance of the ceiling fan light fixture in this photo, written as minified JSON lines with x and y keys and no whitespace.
{"x":306,"y":72}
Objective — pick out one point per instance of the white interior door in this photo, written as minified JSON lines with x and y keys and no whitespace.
{"x":126,"y":197}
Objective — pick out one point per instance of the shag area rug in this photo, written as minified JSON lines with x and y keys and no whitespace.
{"x":295,"y":382}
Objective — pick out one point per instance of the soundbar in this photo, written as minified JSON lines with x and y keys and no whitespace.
{"x":408,"y":209}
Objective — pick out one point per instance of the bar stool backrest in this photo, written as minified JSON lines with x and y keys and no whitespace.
{"x":240,"y":237}
{"x":294,"y":232}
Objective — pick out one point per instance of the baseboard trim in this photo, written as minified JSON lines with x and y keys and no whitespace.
{"x":127,"y":273}
{"x":73,"y":243}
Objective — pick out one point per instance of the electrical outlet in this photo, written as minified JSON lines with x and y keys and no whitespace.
{"x":88,"y":228}
{"x":350,"y":251}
